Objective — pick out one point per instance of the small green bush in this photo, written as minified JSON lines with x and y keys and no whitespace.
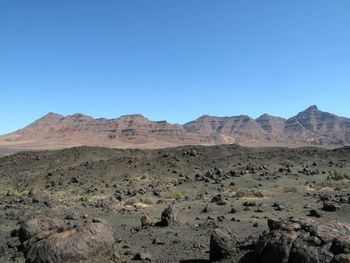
{"x":176,"y":195}
{"x":18,"y":192}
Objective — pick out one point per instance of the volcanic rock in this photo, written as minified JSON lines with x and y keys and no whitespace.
{"x":169,"y":216}
{"x":302,"y":240}
{"x":49,"y":240}
{"x":222,"y":245}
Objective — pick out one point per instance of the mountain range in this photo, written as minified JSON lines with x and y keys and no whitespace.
{"x":309,"y":127}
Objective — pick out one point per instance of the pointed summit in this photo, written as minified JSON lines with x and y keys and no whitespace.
{"x":52,"y":115}
{"x":312,"y":108}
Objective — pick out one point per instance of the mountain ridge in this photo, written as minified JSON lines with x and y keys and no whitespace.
{"x":308,"y":127}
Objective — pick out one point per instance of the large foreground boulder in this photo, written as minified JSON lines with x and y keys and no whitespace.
{"x":302,"y":241}
{"x":293,"y":240}
{"x":223,"y":245}
{"x":50,"y":240}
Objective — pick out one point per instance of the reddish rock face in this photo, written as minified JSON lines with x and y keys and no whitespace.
{"x":310,"y":127}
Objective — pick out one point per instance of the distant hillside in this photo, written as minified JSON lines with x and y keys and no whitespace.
{"x":309,"y":127}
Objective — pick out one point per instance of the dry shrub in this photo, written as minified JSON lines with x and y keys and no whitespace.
{"x":289,"y":189}
{"x":241,"y":193}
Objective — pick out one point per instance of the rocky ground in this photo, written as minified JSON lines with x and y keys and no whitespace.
{"x":62,"y":206}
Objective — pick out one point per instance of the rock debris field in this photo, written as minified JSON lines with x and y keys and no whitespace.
{"x":188,"y":204}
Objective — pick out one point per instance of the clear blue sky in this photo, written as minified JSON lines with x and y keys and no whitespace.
{"x":172,"y":59}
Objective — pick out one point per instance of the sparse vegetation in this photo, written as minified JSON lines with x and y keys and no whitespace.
{"x":147,"y":200}
{"x":248,"y":193}
{"x":338,"y":176}
{"x":176,"y":195}
{"x":86,"y":198}
{"x":131,"y":201}
{"x":109,"y":188}
{"x":290,"y":189}
{"x":339,"y":185}
{"x":18,"y":192}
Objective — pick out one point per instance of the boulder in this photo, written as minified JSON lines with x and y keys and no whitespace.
{"x":146,"y":221}
{"x":169,"y":216}
{"x":143,"y":256}
{"x":222,"y":245}
{"x":32,"y":227}
{"x":342,"y":258}
{"x":315,"y":213}
{"x":261,"y":208}
{"x":49,"y":240}
{"x":302,"y":240}
{"x":329,"y":207}
{"x":217,"y":198}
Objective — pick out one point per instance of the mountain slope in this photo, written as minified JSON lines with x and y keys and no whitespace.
{"x":309,"y":127}
{"x":271,"y":124}
{"x":317,"y":127}
{"x":235,"y":129}
{"x":56,"y":131}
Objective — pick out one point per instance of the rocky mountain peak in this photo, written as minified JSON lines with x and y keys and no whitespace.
{"x":312,"y":108}
{"x":51,"y":116}
{"x":309,"y":127}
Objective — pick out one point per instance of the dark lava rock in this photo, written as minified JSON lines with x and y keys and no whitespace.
{"x":329,"y":207}
{"x":143,"y":256}
{"x":315,"y":213}
{"x":221,"y":202}
{"x":341,"y":258}
{"x":301,"y":240}
{"x":233,"y":211}
{"x":74,"y":180}
{"x":221,"y":218}
{"x":248,"y":204}
{"x":49,"y":240}
{"x":222,"y":245}
{"x":206,"y":209}
{"x":168,"y":217}
{"x":217,"y":198}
